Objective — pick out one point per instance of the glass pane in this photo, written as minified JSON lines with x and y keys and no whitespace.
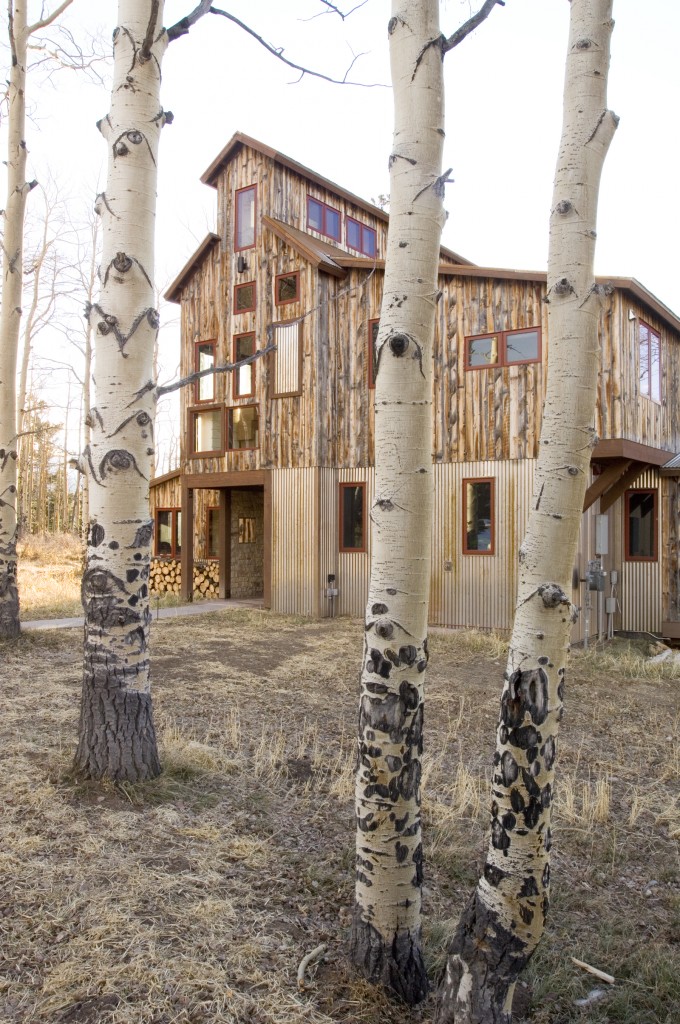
{"x":244,"y":427}
{"x":244,"y":377}
{"x":178,"y":533}
{"x":374,"y":328}
{"x":205,"y":361}
{"x":208,"y":431}
{"x":332,"y":223}
{"x":213,"y":525}
{"x":521,"y":346}
{"x":314,"y":215}
{"x":245,"y":297}
{"x":353,"y":516}
{"x":287,"y":288}
{"x":164,"y":533}
{"x":478,"y":515}
{"x":245,"y":218}
{"x":654,"y":366}
{"x":644,"y":359}
{"x":483,"y":351}
{"x":641,"y":525}
{"x":353,"y":234}
{"x":369,"y":246}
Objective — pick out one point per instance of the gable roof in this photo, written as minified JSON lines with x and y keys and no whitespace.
{"x":173,"y":292}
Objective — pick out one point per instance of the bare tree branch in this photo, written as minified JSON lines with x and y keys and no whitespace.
{"x":44,"y":22}
{"x":184,"y":24}
{"x":226,"y":368}
{"x":470,"y":25}
{"x":145,"y":52}
{"x":334,"y":9}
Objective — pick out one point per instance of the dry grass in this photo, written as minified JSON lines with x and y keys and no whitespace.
{"x":192,"y":900}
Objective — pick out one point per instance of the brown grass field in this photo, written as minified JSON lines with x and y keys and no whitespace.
{"x":193,"y":899}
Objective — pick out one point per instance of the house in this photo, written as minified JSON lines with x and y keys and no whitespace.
{"x":276,"y":469}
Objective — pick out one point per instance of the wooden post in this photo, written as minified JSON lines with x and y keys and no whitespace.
{"x":224,"y":543}
{"x":187,"y":587}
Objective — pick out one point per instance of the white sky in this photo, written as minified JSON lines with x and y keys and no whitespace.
{"x":503,"y":99}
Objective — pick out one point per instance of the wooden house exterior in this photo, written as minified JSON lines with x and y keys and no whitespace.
{"x":276,"y":470}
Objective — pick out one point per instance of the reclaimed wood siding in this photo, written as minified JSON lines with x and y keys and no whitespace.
{"x":670,"y":547}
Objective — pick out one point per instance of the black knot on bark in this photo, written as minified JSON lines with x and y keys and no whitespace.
{"x":384,"y":629}
{"x":135,"y":137}
{"x":122,"y":263}
{"x":564,"y":206}
{"x":583,"y":44}
{"x":552,"y":595}
{"x":120,"y":149}
{"x":398,"y":344}
{"x":563,"y":287}
{"x":153,"y":318}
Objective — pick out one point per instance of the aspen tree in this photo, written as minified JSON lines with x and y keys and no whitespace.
{"x":386,"y":933}
{"x":504,"y":920}
{"x":19,"y":32}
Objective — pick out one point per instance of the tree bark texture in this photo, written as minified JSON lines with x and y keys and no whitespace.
{"x":10,"y":316}
{"x":386,"y":936}
{"x":504,"y":920}
{"x":117,"y":738}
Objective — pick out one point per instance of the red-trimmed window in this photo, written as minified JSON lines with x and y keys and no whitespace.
{"x":287,"y":288}
{"x":650,"y":362}
{"x":204,"y":359}
{"x":243,"y":427}
{"x":360,"y":237}
{"x":244,"y":297}
{"x":352,"y":517}
{"x":244,"y":377}
{"x":168,"y":533}
{"x":641,"y":526}
{"x":373,"y":327}
{"x":503,"y":348}
{"x":212,"y":525}
{"x":478,"y":516}
{"x":206,"y":426}
{"x":323,"y":218}
{"x":244,"y":226}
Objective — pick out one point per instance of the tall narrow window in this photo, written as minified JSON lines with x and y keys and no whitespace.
{"x":352,"y":517}
{"x":478,"y":517}
{"x":243,"y":430}
{"x":168,"y":533}
{"x":244,"y":233}
{"x":650,"y":362}
{"x":244,"y":377}
{"x":641,"y":526}
{"x":204,"y":388}
{"x":373,"y":327}
{"x":206,"y":427}
{"x":287,"y":359}
{"x":212,"y":526}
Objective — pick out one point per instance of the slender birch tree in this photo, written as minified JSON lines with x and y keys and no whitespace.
{"x":19,"y":33}
{"x":386,"y":934}
{"x":504,"y":920}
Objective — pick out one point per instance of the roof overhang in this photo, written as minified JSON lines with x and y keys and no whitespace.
{"x":173,"y":292}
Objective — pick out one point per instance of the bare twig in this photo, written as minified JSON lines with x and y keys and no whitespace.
{"x":470,"y":25}
{"x":610,"y":979}
{"x":305,"y":962}
{"x":211,"y":370}
{"x":44,"y":22}
{"x":334,"y":9}
{"x":184,"y":24}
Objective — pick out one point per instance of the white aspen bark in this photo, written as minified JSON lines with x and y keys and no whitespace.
{"x":117,"y":738}
{"x":386,"y":936}
{"x":504,"y":920}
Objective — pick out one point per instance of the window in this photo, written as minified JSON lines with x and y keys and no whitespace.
{"x":650,"y":362}
{"x":244,"y":228}
{"x":204,"y":359}
{"x":323,"y":218}
{"x":360,"y":237}
{"x":212,"y":526}
{"x":641,"y":526}
{"x":504,"y":348}
{"x":244,"y":297}
{"x":244,"y":377}
{"x":373,"y":326}
{"x":287,"y":359}
{"x":287,"y":288}
{"x":352,"y":517}
{"x":206,"y":430}
{"x":168,"y":532}
{"x":478,"y":517}
{"x":246,"y":530}
{"x":243,"y":427}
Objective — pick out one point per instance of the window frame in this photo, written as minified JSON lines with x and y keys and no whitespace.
{"x":175,"y":532}
{"x":200,"y":410}
{"x":228,"y":428}
{"x":234,"y":375}
{"x":654,"y":491}
{"x":239,"y":288}
{"x":651,"y":334}
{"x":296,"y":297}
{"x":372,"y":364}
{"x":197,"y":383}
{"x":362,"y":228}
{"x":492,"y":527}
{"x":342,"y":486}
{"x":209,"y":509}
{"x":237,"y":216}
{"x":274,"y":356}
{"x":502,"y":360}
{"x":325,"y":208}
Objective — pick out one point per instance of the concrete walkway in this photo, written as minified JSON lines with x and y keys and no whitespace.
{"x":197,"y":608}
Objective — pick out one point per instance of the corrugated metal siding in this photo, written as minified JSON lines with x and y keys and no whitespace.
{"x":295,"y":541}
{"x":478,"y":590}
{"x":287,"y":361}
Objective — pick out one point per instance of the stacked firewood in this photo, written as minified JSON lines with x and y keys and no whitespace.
{"x":166,"y":576}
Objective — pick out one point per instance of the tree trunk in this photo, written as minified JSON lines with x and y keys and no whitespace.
{"x":386,"y":936}
{"x":504,"y":920}
{"x":117,"y":738}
